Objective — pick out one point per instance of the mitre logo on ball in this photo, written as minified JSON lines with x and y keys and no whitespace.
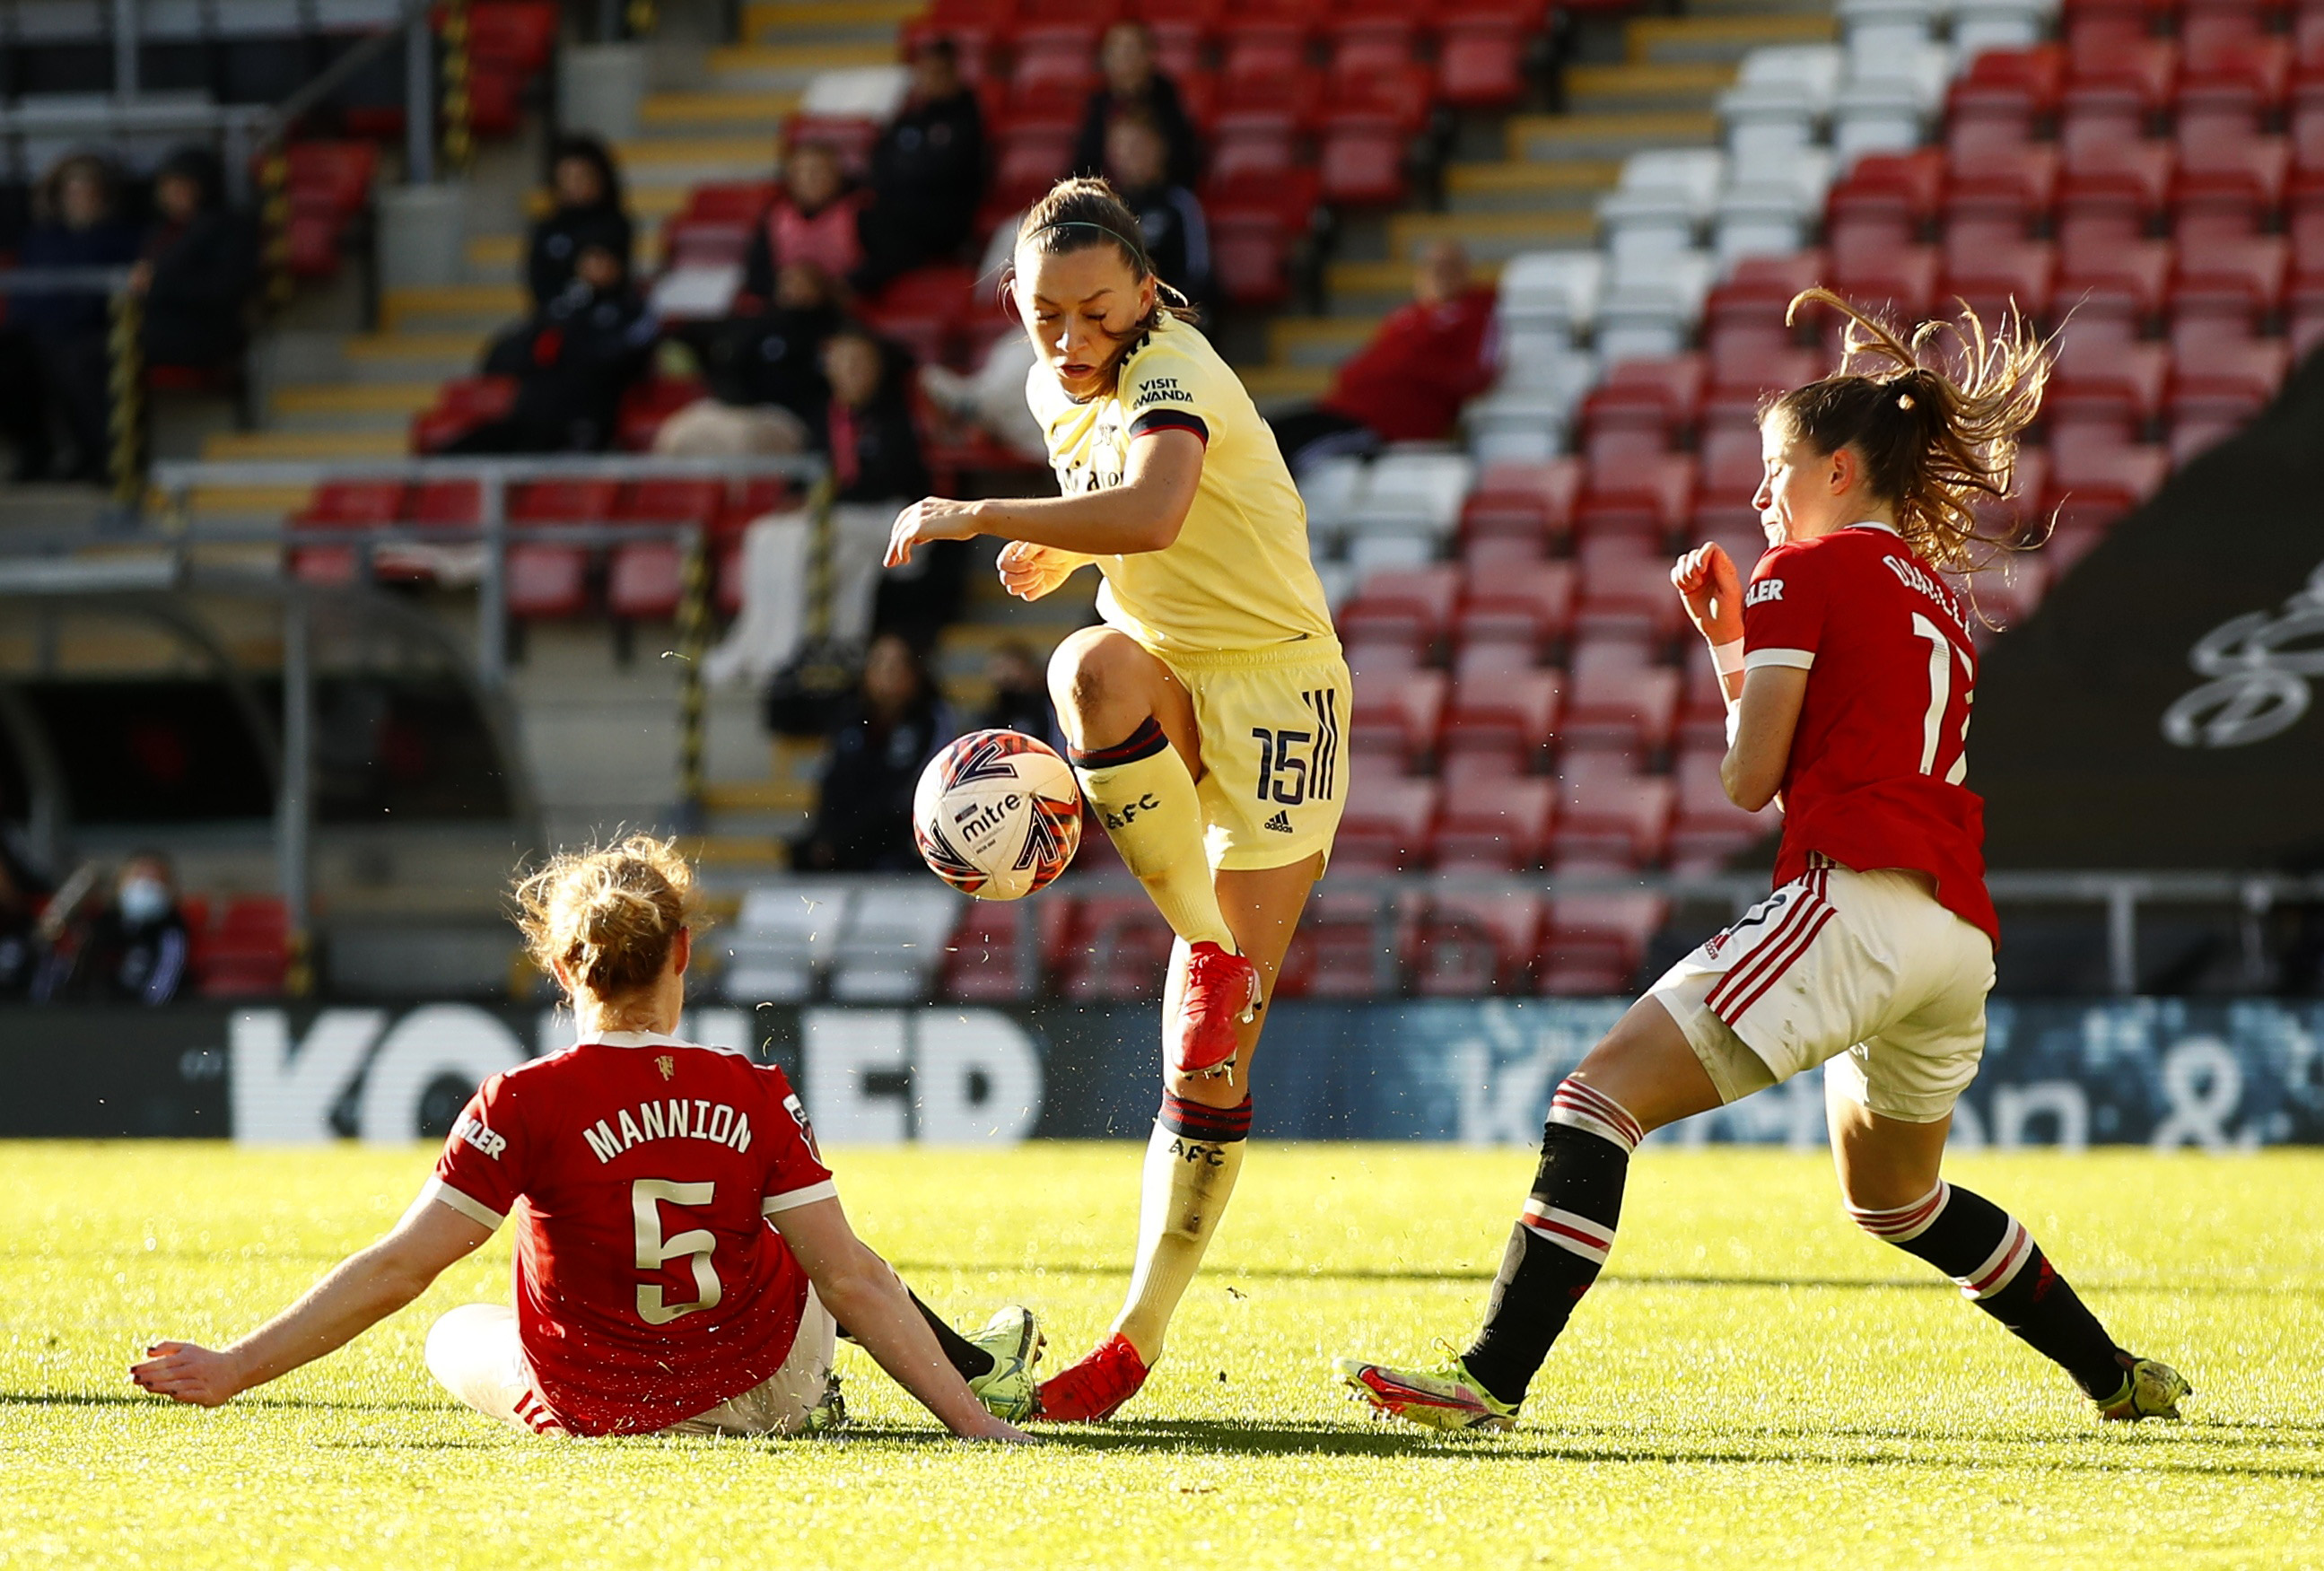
{"x":997,"y":814}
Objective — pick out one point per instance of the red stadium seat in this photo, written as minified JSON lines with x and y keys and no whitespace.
{"x":645,"y":580}
{"x":1644,"y":498}
{"x":1759,"y":289}
{"x":1531,"y":502}
{"x":1386,"y":822}
{"x":1898,"y":189}
{"x":1993,"y":276}
{"x":1619,"y":699}
{"x":2012,"y":188}
{"x":2229,"y":174}
{"x":1032,"y":158}
{"x":2102,"y":274}
{"x":988,"y":959}
{"x":1491,"y":820}
{"x":1504,"y":719}
{"x":1661,"y":394}
{"x":445,"y":501}
{"x":1625,"y":593}
{"x":1343,"y":949}
{"x":1595,"y":943}
{"x":247,"y":953}
{"x":354,"y":502}
{"x":1362,"y":165}
{"x":1118,"y":949}
{"x":1703,"y":704}
{"x":2236,"y":279}
{"x":1250,"y":252}
{"x":2101,"y":378}
{"x":1530,"y":604}
{"x":1731,"y":461}
{"x":562,"y":502}
{"x":1899,"y":282}
{"x":2014,"y":88}
{"x":1738,"y":382}
{"x":2095,"y":478}
{"x":670,"y":500}
{"x":1477,"y":943}
{"x":2105,"y":173}
{"x":2129,"y":80}
{"x":1709,"y":828}
{"x":546,"y":582}
{"x":2233,"y":74}
{"x":2226,"y":381}
{"x":1413,"y":606}
{"x":1480,"y":65}
{"x":1398,"y":714}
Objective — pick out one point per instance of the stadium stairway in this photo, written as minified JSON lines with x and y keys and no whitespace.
{"x":1634,"y":84}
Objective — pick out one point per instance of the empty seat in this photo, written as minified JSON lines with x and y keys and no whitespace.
{"x":1644,"y":498}
{"x":2219,"y":380}
{"x":1398,"y":714}
{"x":562,"y":502}
{"x":1118,"y":949}
{"x":1595,"y":943}
{"x":1708,"y":828}
{"x":996,"y":952}
{"x":2095,"y":478}
{"x":2103,"y":172}
{"x":894,"y":941}
{"x":1386,"y":823}
{"x":1703,"y":704}
{"x":2238,"y":279}
{"x":247,"y":954}
{"x":1528,"y":603}
{"x":1531,"y":502}
{"x":1625,"y":593}
{"x":1477,"y":943}
{"x":1487,"y":819}
{"x":2100,"y":377}
{"x":645,"y":580}
{"x":1414,"y":607}
{"x":1897,"y":282}
{"x":1481,"y":64}
{"x":542,"y":582}
{"x":1350,"y":945}
{"x":2103,"y":274}
{"x":783,"y":937}
{"x":1619,"y":699}
{"x":1504,"y":719}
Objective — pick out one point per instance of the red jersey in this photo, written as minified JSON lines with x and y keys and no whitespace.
{"x":648,"y":1285}
{"x":1409,"y":382}
{"x":1878,"y":756}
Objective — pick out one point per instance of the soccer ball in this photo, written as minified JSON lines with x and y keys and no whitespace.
{"x":997,"y":814}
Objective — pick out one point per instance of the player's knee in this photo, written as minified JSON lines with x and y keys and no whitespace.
{"x":1895,"y":1212}
{"x":1093,"y":671}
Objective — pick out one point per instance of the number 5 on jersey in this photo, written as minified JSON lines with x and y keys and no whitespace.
{"x":654,"y":1251}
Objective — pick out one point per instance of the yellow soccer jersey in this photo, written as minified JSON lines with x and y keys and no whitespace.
{"x":1238,"y":577}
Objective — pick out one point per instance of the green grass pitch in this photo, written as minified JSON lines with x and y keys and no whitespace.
{"x":1755,"y":1383}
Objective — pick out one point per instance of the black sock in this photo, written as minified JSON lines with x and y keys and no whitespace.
{"x":1560,"y":1241}
{"x":2002,"y":1270}
{"x":972,"y":1362}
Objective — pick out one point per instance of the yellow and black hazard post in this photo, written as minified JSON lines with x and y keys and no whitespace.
{"x":458,"y":142}
{"x":126,"y":385}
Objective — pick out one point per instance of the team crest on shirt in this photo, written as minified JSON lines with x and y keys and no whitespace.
{"x":806,"y":1130}
{"x":667,"y":1065}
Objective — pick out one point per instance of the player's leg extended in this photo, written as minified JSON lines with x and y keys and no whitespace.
{"x":1193,"y":1158}
{"x":473,"y":1352}
{"x":1888,"y":1177}
{"x":1642,"y":1076}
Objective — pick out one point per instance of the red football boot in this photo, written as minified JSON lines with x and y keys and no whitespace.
{"x":1108,"y":1375}
{"x":1222,"y":993}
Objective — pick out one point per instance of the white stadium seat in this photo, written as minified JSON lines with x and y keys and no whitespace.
{"x":786,"y":934}
{"x":893,"y":942}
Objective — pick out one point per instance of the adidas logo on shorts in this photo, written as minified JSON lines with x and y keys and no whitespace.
{"x":1280,"y":823}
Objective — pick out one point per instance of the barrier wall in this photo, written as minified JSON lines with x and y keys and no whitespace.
{"x":2219,"y":1075}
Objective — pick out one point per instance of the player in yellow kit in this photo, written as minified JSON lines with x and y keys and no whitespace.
{"x":1204,"y":716}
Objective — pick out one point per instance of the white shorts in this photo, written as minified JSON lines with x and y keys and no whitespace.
{"x":1864,"y":970}
{"x":474,"y":1351}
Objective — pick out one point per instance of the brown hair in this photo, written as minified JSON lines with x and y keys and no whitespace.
{"x":1935,"y":439}
{"x":1078,"y":214}
{"x":608,"y":914}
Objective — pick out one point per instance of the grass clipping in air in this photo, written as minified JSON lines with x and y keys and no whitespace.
{"x":1753,"y":1383}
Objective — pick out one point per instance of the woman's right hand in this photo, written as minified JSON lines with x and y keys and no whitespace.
{"x":1028,"y":571}
{"x":1707,"y":580}
{"x":999,"y":1432}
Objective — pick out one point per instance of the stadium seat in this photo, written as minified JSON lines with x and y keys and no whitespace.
{"x":352,"y":504}
{"x":1643,"y":499}
{"x":1481,"y":64}
{"x":670,"y":500}
{"x":562,"y":502}
{"x":1386,"y":823}
{"x":2127,"y":80}
{"x":1470,"y":944}
{"x":1348,"y":946}
{"x":1619,"y":699}
{"x":647,"y":403}
{"x":1595,"y":943}
{"x":1031,"y":158}
{"x":1398,"y":714}
{"x":1703,"y":704}
{"x":893,"y":944}
{"x":246,"y":953}
{"x":2218,"y":380}
{"x":544,"y":581}
{"x":1708,"y":828}
{"x":1528,"y":603}
{"x":1117,"y":949}
{"x":1490,"y":820}
{"x":645,"y":580}
{"x":2103,"y":274}
{"x":1363,"y":164}
{"x":1250,"y":253}
{"x":2104,"y":173}
{"x":1900,"y":281}
{"x":2011,"y":188}
{"x":1415,"y":607}
{"x":2231,"y":279}
{"x":1626,"y":592}
{"x":1505,"y":719}
{"x":996,"y":953}
{"x":2095,"y":478}
{"x":2103,"y":378}
{"x":1533,"y":502}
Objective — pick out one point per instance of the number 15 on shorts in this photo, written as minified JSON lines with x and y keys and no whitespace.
{"x":1301,"y":765}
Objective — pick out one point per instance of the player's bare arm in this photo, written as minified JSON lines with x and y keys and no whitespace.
{"x":1765,"y":719}
{"x":1144,"y":513}
{"x":359,"y":1292}
{"x":864,"y":1294}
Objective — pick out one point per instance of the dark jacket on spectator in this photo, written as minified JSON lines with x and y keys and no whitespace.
{"x":927,"y":176}
{"x":1169,"y":112}
{"x":558,"y":238}
{"x":771,"y":358}
{"x":113,"y":960}
{"x":863,"y":817}
{"x":580,"y":355}
{"x":204,"y":274}
{"x":1177,"y":238}
{"x":68,"y":315}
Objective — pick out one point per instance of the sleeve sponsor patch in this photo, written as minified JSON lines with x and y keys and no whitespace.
{"x":1170,"y":420}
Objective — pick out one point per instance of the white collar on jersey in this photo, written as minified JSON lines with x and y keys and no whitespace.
{"x":1874,"y":524}
{"x":636,"y":1039}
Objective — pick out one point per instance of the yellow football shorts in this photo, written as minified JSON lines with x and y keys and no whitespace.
{"x":1274,"y":770}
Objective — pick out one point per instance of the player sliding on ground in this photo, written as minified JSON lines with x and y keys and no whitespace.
{"x":682,"y":1264}
{"x":1849,"y":670}
{"x":1203,"y":717}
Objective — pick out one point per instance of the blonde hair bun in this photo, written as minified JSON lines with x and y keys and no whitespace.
{"x":609,"y":914}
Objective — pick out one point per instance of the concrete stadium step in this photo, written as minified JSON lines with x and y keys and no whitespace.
{"x":690,"y":161}
{"x":495,"y":259}
{"x":1311,"y":342}
{"x":1685,"y":40}
{"x":410,"y":356}
{"x":436,"y":307}
{"x":805,"y":22}
{"x":763,"y":67}
{"x":1529,"y":187}
{"x":1490,"y":236}
{"x":1554,"y":137}
{"x":1278,"y":387}
{"x":1371,"y":289}
{"x":239,"y":445}
{"x":711,"y":110}
{"x":1593,"y":89}
{"x":377,"y":406}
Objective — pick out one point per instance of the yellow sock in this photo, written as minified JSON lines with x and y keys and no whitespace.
{"x":1191,"y":1165}
{"x":1145,"y":796}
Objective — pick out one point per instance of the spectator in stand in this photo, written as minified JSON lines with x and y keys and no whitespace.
{"x":133,"y":948}
{"x":812,"y":220}
{"x":1020,"y":695}
{"x":582,"y":352}
{"x":1408,"y":383}
{"x":1133,"y":86}
{"x":77,"y":224}
{"x":878,"y":470}
{"x":1177,"y":235}
{"x":765,"y":375}
{"x":22,"y":889}
{"x":927,"y":173}
{"x":587,"y":186}
{"x":200,"y":269}
{"x":888,"y":731}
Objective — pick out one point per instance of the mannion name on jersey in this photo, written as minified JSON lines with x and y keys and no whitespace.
{"x":676,"y":1119}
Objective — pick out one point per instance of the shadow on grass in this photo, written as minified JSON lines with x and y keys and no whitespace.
{"x":111,"y":1399}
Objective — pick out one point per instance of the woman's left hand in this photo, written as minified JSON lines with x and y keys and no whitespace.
{"x":187,"y":1372}
{"x":932,"y":517}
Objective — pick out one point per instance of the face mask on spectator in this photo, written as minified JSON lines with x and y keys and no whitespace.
{"x":144,"y":900}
